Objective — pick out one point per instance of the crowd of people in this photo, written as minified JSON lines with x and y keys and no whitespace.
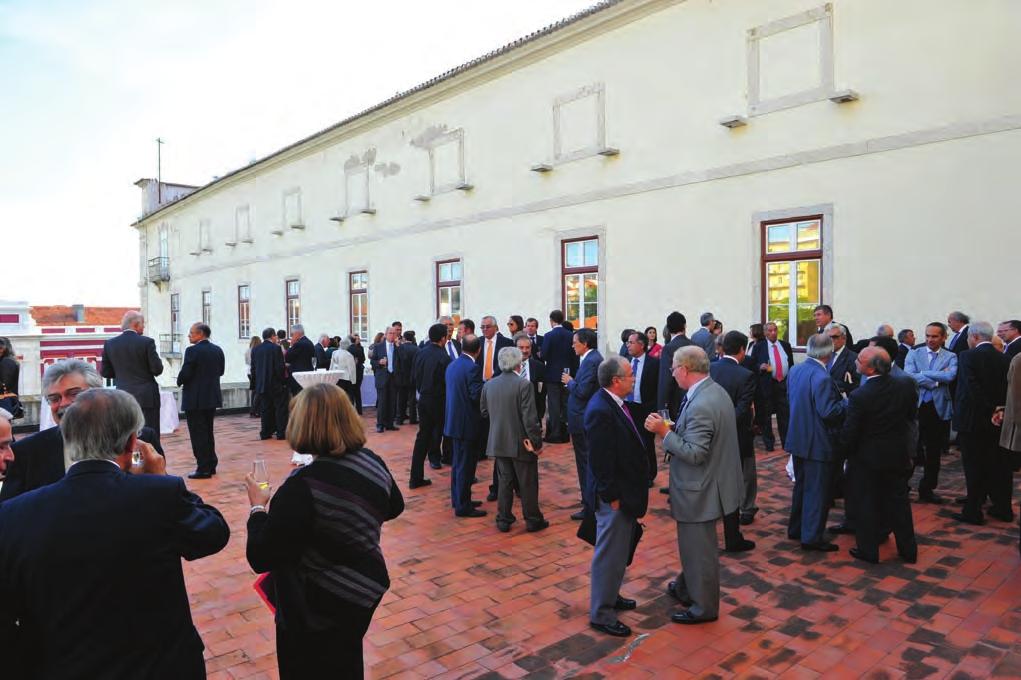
{"x":856,"y":419}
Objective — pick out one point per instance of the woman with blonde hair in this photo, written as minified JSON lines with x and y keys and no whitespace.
{"x":319,"y":538}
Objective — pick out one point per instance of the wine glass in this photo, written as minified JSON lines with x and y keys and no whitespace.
{"x":664,"y":413}
{"x":313,"y":363}
{"x":260,"y":473}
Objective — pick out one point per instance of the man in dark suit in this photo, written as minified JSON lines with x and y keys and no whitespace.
{"x":616,"y":489}
{"x":429,"y":376}
{"x":817,"y":411}
{"x":155,"y":522}
{"x":981,"y":387}
{"x":322,"y":353}
{"x":407,"y":401}
{"x":558,"y":355}
{"x":1010,"y":333}
{"x":668,"y":394}
{"x":823,"y":315}
{"x":298,"y":356}
{"x":492,"y":342}
{"x":876,"y":438}
{"x":905,"y":343}
{"x":450,"y":344}
{"x":384,"y":364}
{"x":39,"y":458}
{"x":580,"y":389}
{"x":130,"y":359}
{"x":463,"y":424}
{"x":642,"y":401}
{"x":740,"y":384}
{"x":200,"y":397}
{"x":534,"y":372}
{"x":358,"y":352}
{"x":842,"y":365}
{"x":271,"y":385}
{"x":958,"y":343}
{"x":532,"y":331}
{"x":774,"y":359}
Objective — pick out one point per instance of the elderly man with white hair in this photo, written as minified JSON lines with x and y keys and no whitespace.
{"x":131,"y":361}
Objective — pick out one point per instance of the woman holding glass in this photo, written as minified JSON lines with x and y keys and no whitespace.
{"x":319,"y":538}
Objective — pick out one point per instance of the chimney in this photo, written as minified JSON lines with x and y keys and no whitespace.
{"x":79,"y":313}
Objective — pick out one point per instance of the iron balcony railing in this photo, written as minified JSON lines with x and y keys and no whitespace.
{"x":159,"y":269}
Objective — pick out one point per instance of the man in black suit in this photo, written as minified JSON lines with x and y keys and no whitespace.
{"x":407,"y":401}
{"x":668,"y":394}
{"x":842,"y":365}
{"x":384,"y":364}
{"x":358,"y":352}
{"x":130,"y":359}
{"x":558,"y":355}
{"x":200,"y":397}
{"x":450,"y":344}
{"x":322,"y":356}
{"x":877,"y":439}
{"x":580,"y":390}
{"x":39,"y":458}
{"x":905,"y":343}
{"x":429,"y":377}
{"x":532,"y":331}
{"x":110,"y":528}
{"x":1010,"y":333}
{"x":271,"y":385}
{"x":533,"y":371}
{"x":741,"y":384}
{"x":774,"y":358}
{"x":642,"y":401}
{"x":299,"y":356}
{"x":981,"y":387}
{"x":958,"y":322}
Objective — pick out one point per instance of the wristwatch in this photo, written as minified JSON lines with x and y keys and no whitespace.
{"x":256,"y":508}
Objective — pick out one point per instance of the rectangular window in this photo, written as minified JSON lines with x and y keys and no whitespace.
{"x":207,"y":307}
{"x":244,"y":312}
{"x":293,"y":293}
{"x":792,"y":276}
{"x":358,"y":296}
{"x":448,"y":289}
{"x":173,"y":346}
{"x":580,"y":275}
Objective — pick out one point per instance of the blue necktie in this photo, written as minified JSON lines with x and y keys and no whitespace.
{"x":450,"y":350}
{"x":927,"y":395}
{"x":389,"y":357}
{"x":634,"y":372}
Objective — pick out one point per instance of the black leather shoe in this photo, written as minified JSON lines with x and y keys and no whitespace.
{"x":379,"y":428}
{"x":664,"y":489}
{"x":840,"y":529}
{"x":1002,"y":516}
{"x":671,"y":590}
{"x":580,"y":515}
{"x":264,"y":437}
{"x":435,"y":466}
{"x":825,"y":546}
{"x":909,"y":558}
{"x":474,"y":512}
{"x":537,"y":526}
{"x":281,"y":437}
{"x":198,"y":474}
{"x":624,"y":604}
{"x":960,"y":517}
{"x":745,"y":520}
{"x":420,"y":483}
{"x":392,"y":428}
{"x":503,"y":527}
{"x":929,"y":497}
{"x":961,"y":501}
{"x":689,"y":618}
{"x":491,"y":497}
{"x":616,"y":629}
{"x":859,"y":555}
{"x":744,"y":545}
{"x":476,"y":504}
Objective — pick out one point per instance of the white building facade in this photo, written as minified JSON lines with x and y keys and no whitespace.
{"x":749,"y":157}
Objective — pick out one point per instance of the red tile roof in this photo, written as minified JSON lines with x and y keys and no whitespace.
{"x":63,"y":315}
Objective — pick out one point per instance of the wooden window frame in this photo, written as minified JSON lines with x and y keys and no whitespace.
{"x":451,"y":283}
{"x":566,"y":271}
{"x":244,"y":311}
{"x":207,"y":307}
{"x":287,"y":304}
{"x":351,"y":293}
{"x":788,"y":256}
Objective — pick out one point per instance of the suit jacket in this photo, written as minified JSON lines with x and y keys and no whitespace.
{"x":902,"y":354}
{"x":39,"y":460}
{"x":537,"y":348}
{"x":935,"y":381}
{"x":508,"y":401}
{"x":67,"y":554}
{"x":131,"y":361}
{"x":299,"y":355}
{"x":429,"y":372}
{"x":740,"y":384}
{"x":705,"y":463}
{"x":557,"y":353}
{"x":959,"y":343}
{"x":380,"y":372}
{"x":760,"y":356}
{"x":457,"y":349}
{"x":268,"y":368}
{"x":981,"y":387}
{"x":817,"y":411}
{"x":10,"y":370}
{"x":1013,"y":349}
{"x":1010,"y":434}
{"x":499,"y":342}
{"x":323,"y":356}
{"x":704,"y":338}
{"x":648,"y":387}
{"x":406,"y":364}
{"x":581,"y":389}
{"x":537,"y":376}
{"x":668,"y":394}
{"x":462,"y":418}
{"x":617,"y":463}
{"x":878,"y":427}
{"x":844,"y":371}
{"x":358,"y":352}
{"x":200,"y":377}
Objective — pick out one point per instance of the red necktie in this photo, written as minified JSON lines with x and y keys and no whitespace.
{"x":778,"y":374}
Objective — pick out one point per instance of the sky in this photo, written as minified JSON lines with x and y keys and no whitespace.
{"x":87,"y":87}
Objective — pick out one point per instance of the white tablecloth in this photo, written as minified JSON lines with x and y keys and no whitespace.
{"x":309,"y":378}
{"x":169,"y":419}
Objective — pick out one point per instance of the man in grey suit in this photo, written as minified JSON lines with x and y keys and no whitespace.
{"x":704,"y":337}
{"x":130,"y":359}
{"x":705,"y":481}
{"x":515,"y":438}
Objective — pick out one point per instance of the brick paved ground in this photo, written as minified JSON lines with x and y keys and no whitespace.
{"x":470,"y":602}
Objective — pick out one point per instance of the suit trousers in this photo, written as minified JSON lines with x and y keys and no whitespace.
{"x":933,"y":436}
{"x":811,"y":501}
{"x":386,"y":403}
{"x":407,"y":404}
{"x":151,"y":416}
{"x":427,"y":441}
{"x":274,"y":404}
{"x":556,"y":411}
{"x":579,"y":440}
{"x":358,"y":392}
{"x":203,"y":445}
{"x":699,"y":580}
{"x":609,"y":560}
{"x":349,"y":389}
{"x":526,"y":474}
{"x":750,"y":476}
{"x":881,"y":499}
{"x":461,"y":474}
{"x":774,"y":400}
{"x":732,"y":535}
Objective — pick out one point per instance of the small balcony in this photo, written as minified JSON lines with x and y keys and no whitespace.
{"x":170,"y":344}
{"x":159,"y":269}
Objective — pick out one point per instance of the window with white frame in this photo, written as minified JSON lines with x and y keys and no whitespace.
{"x":580,"y":279}
{"x":244,"y":311}
{"x":358,"y":297}
{"x":792,"y":275}
{"x":207,"y":307}
{"x":448,"y":289}
{"x":292,"y":288}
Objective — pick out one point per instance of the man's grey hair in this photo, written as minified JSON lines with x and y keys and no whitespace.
{"x":98,"y":425}
{"x":521,"y":335}
{"x":959,"y":316}
{"x":345,"y":343}
{"x":692,"y":357}
{"x":838,"y":326}
{"x":130,"y":319}
{"x":55,"y":372}
{"x":611,"y":368}
{"x":983,"y":330}
{"x":509,"y":359}
{"x":884,"y":330}
{"x":820,"y":346}
{"x":492,"y":319}
{"x":298,"y":328}
{"x":323,"y":335}
{"x":706,"y":318}
{"x":6,"y":415}
{"x":444,"y":319}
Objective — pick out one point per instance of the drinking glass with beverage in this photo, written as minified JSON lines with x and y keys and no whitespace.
{"x":260,"y":473}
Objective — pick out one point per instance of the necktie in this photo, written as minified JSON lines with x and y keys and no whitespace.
{"x":932,"y":359}
{"x":450,"y":349}
{"x":778,"y":373}
{"x":627,"y":414}
{"x":487,"y":370}
{"x":634,"y":372}
{"x":680,"y":410}
{"x":389,"y":357}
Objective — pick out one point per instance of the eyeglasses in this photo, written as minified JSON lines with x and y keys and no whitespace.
{"x":486,"y":325}
{"x":71,"y":394}
{"x":836,"y":337}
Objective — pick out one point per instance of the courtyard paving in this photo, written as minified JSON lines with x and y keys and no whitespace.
{"x":470,"y":602}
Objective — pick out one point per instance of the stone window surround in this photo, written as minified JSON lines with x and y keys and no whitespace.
{"x":597,"y":90}
{"x":455,"y":136}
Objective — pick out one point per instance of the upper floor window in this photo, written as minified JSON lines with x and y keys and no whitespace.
{"x":580,"y":280}
{"x":207,"y":307}
{"x":792,"y":275}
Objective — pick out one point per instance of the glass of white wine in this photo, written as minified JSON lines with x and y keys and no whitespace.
{"x":260,"y":473}
{"x":664,"y":413}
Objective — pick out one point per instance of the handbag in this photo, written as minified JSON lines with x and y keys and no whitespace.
{"x":587,"y":533}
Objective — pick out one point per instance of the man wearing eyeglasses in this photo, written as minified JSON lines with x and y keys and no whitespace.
{"x":39,"y":459}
